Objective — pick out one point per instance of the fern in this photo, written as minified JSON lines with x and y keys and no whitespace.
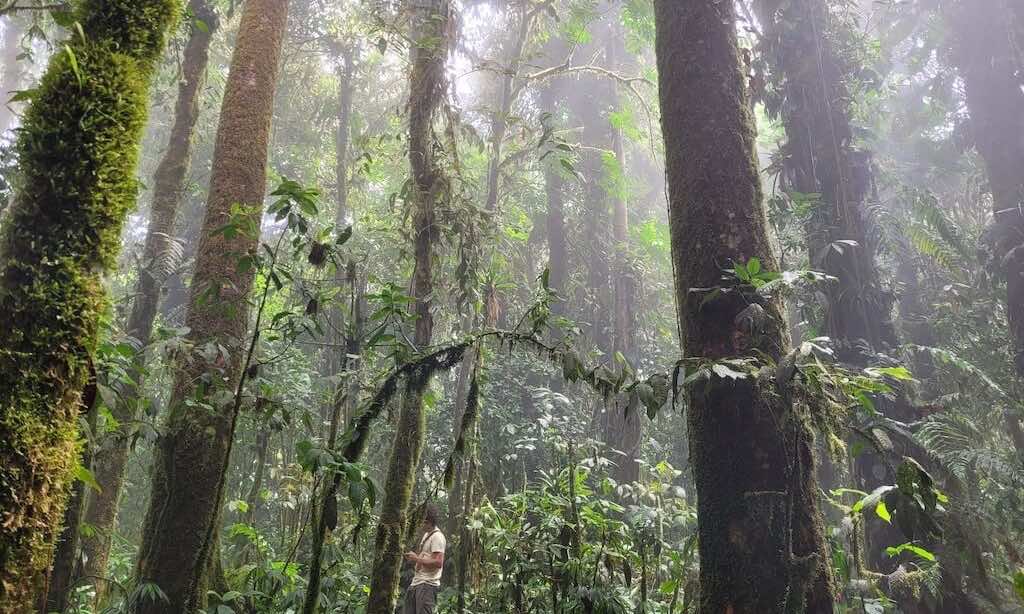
{"x":946,"y":357}
{"x":957,"y":443}
{"x":926,"y":209}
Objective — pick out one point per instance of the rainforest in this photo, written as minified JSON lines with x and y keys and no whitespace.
{"x":511,"y":306}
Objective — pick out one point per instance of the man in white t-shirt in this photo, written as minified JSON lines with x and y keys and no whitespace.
{"x":429,"y":563}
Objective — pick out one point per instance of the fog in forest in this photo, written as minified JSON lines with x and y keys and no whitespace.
{"x":512,"y":306}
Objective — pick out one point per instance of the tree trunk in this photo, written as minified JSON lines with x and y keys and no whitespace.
{"x":461,"y":494}
{"x":623,"y":428}
{"x":184,"y":512}
{"x":761,"y":539}
{"x":429,"y":50}
{"x":820,"y":159}
{"x":78,"y":152}
{"x":168,"y":185}
{"x":986,"y":50}
{"x":345,"y":401}
{"x":342,"y":138}
{"x":558,"y":251}
{"x":66,"y":557}
{"x":12,"y":72}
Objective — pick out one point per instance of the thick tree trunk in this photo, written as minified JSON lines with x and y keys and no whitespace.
{"x":78,"y":151}
{"x":184,"y":512}
{"x":429,"y":50}
{"x":762,"y":545}
{"x":987,"y":53}
{"x":168,"y":185}
{"x":820,"y":159}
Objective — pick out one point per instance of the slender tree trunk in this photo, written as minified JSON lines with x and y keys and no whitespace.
{"x":346,"y":396}
{"x":344,"y":402}
{"x":761,"y":539}
{"x":168,"y":185}
{"x":429,"y":50}
{"x":12,"y":72}
{"x":500,"y":115}
{"x":78,"y":150}
{"x":499,"y":128}
{"x":252,"y":498}
{"x":558,"y":251}
{"x":341,"y":141}
{"x":623,"y":428}
{"x":191,"y":456}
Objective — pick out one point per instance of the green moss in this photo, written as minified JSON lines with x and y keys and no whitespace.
{"x":78,"y":151}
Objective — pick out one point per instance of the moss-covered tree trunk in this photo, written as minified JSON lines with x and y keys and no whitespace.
{"x":66,"y":556}
{"x":987,"y":52}
{"x":168,"y":184}
{"x":762,"y":545}
{"x":192,"y":454}
{"x":78,"y":152}
{"x":821,"y":159}
{"x":429,"y":50}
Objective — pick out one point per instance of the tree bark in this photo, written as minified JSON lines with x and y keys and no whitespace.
{"x":183,"y":515}
{"x":168,"y":185}
{"x":78,"y":151}
{"x":761,"y":539}
{"x":429,"y":50}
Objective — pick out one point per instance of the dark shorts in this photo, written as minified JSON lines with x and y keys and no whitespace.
{"x":420,"y":599}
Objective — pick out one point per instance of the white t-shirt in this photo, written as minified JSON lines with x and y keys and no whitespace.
{"x":430,"y":543}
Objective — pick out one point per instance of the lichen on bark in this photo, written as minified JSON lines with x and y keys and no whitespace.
{"x":78,"y":149}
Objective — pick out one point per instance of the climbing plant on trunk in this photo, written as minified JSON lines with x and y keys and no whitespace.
{"x":429,"y":50}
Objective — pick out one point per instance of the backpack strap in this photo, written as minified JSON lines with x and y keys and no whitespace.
{"x":427,"y":537}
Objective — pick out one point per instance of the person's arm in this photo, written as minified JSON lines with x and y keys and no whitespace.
{"x":434,"y":560}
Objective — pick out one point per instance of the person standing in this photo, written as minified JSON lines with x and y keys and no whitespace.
{"x":421,"y":596}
